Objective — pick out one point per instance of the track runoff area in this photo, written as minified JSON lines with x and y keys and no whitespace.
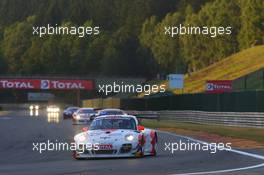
{"x":19,"y":129}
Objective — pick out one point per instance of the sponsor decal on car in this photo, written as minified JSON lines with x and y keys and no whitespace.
{"x":105,"y":146}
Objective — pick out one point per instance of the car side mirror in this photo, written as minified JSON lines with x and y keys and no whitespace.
{"x":140,"y":128}
{"x":84,"y":129}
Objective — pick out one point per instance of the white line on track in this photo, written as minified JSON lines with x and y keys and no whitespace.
{"x":224,"y":171}
{"x":256,"y":156}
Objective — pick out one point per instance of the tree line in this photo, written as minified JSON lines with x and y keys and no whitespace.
{"x":131,"y":40}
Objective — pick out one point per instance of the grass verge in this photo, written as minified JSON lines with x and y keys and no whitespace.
{"x":252,"y":134}
{"x":230,"y":68}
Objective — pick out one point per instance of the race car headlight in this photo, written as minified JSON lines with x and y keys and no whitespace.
{"x":82,"y":138}
{"x":78,"y":117}
{"x":52,"y":109}
{"x":56,"y":110}
{"x":129,"y":137}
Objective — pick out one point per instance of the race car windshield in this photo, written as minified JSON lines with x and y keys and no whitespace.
{"x":86,"y":111}
{"x":127,"y":123}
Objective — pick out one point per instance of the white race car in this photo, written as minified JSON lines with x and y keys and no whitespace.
{"x":83,"y":115}
{"x":110,"y":111}
{"x":53,"y":109}
{"x":115,"y":136}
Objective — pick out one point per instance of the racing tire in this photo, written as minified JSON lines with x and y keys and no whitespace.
{"x":156,"y":137}
{"x":75,"y":157}
{"x":155,"y":153}
{"x":156,"y":141}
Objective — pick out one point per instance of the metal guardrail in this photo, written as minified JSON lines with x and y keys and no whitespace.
{"x":240,"y":119}
{"x":144,"y":114}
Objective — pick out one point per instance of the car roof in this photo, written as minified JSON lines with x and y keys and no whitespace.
{"x":111,"y":109}
{"x":73,"y":107}
{"x":86,"y":108}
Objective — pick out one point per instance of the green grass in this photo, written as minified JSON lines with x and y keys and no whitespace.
{"x":230,"y":68}
{"x":254,"y":134}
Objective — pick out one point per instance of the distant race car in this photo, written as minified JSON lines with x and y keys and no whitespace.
{"x":34,"y":107}
{"x":68,"y":112}
{"x":53,"y":108}
{"x":115,"y":136}
{"x":83,"y":115}
{"x":110,"y":111}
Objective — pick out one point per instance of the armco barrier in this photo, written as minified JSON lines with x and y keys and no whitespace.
{"x":248,"y":101}
{"x":13,"y":106}
{"x":240,"y":119}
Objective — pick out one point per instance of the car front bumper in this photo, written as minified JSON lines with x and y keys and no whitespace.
{"x":81,"y":121}
{"x":116,"y":152}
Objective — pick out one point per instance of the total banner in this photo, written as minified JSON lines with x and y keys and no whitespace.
{"x":218,"y":86}
{"x":46,"y":84}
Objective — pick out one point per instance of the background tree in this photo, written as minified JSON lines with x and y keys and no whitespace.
{"x":2,"y":63}
{"x":165,"y":49}
{"x":131,"y":41}
{"x":202,"y":50}
{"x":252,"y":25}
{"x":16,"y":41}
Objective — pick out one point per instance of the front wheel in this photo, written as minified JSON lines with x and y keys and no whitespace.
{"x":74,"y":155}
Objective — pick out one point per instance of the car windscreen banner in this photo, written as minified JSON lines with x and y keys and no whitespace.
{"x":218,"y":86}
{"x":46,"y":84}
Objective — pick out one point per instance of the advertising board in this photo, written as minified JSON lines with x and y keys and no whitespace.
{"x":218,"y":86}
{"x":46,"y":84}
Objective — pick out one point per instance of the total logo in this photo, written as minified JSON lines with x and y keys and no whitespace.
{"x":66,"y":85}
{"x":210,"y":86}
{"x":16,"y":84}
{"x":45,"y":84}
{"x":50,"y":84}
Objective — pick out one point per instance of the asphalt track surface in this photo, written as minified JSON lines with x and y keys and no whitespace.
{"x":19,"y":130}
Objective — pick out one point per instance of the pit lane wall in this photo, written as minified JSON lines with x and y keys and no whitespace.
{"x":244,"y":109}
{"x":238,"y":119}
{"x":246,"y":101}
